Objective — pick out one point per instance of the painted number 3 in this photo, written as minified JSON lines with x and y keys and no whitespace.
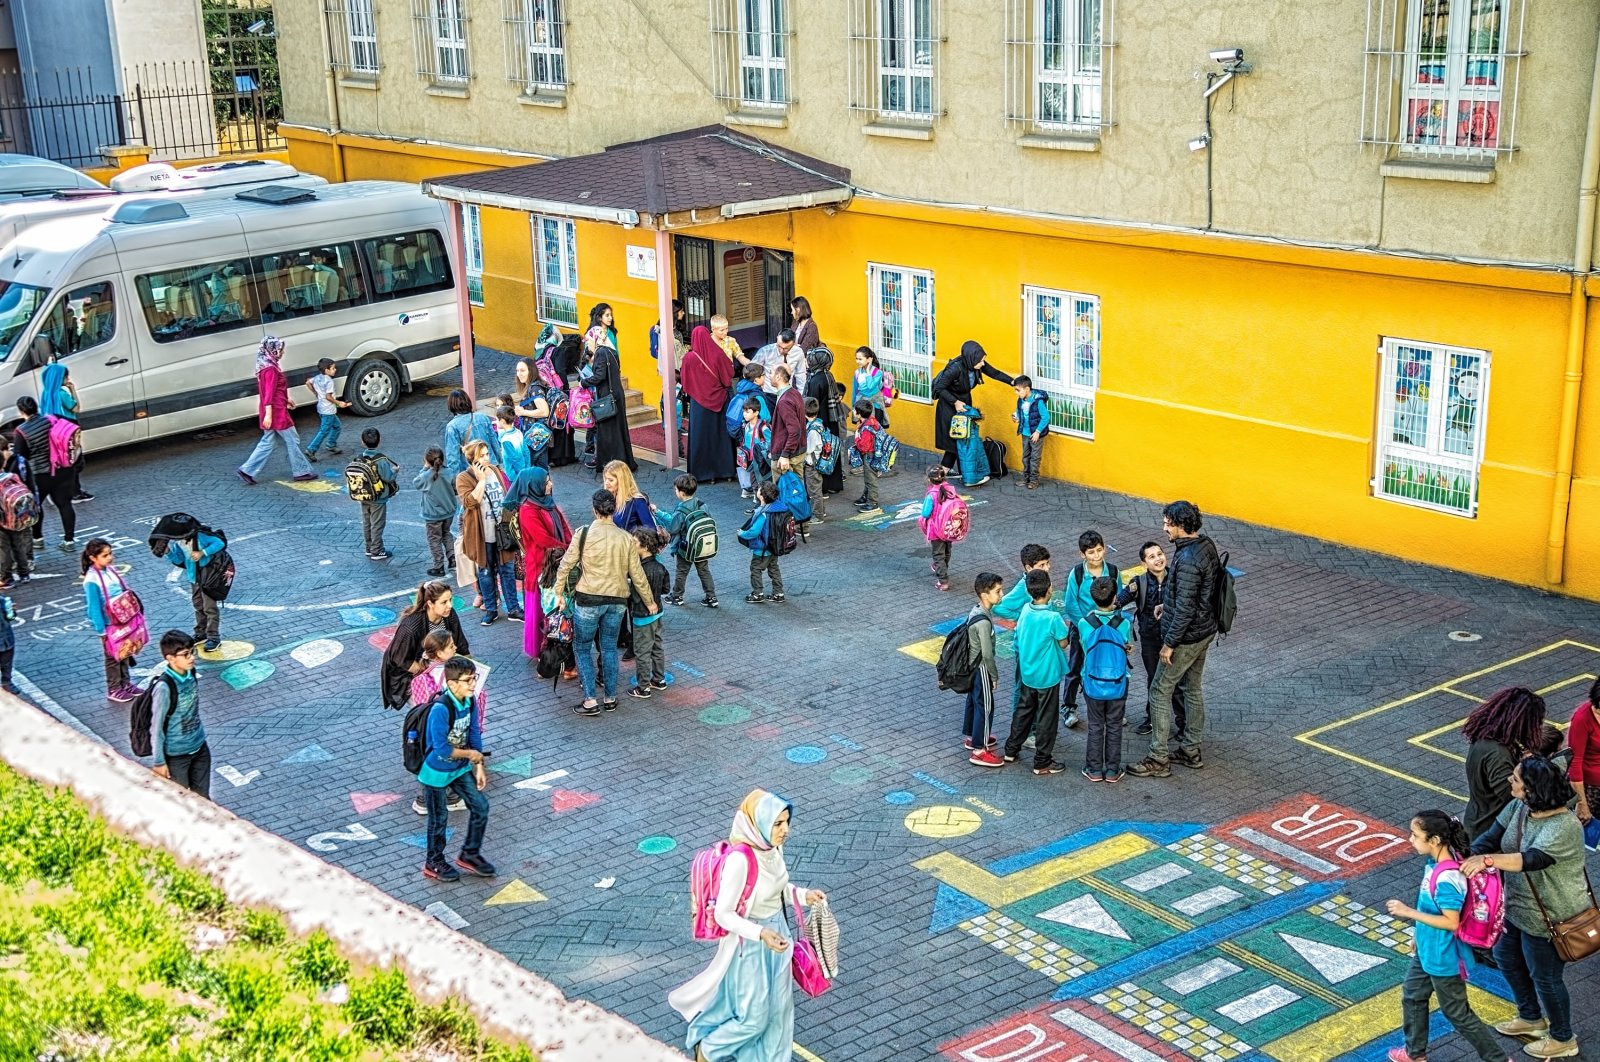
{"x":324,"y":842}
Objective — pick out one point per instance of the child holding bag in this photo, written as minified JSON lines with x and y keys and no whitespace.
{"x":116,"y":614}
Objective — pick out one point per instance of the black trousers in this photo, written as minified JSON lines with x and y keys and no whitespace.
{"x":193,"y":771}
{"x":1037,"y":711}
{"x":1150,"y":652}
{"x":59,"y":489}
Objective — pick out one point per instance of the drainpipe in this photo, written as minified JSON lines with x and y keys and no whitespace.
{"x":330,"y":78}
{"x":1577,"y":336}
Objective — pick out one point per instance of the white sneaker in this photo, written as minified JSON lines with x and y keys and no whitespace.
{"x":1029,"y":743}
{"x":418,"y":806}
{"x":1523,"y":1027}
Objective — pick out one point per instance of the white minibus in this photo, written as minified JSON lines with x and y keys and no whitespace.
{"x":157,"y":308}
{"x":24,"y":176}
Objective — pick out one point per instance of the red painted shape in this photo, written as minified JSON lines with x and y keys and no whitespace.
{"x":380,"y":639}
{"x":1038,"y":1036}
{"x":1316,"y":838}
{"x":563,"y":800}
{"x":764,"y":732}
{"x":681,"y":696}
{"x":366,"y":802}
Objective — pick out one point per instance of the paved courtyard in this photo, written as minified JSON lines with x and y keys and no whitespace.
{"x":986,"y":915}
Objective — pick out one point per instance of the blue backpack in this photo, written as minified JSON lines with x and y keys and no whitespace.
{"x":1105,"y":658}
{"x":792,"y":492}
{"x":828,"y":460}
{"x":734,"y":414}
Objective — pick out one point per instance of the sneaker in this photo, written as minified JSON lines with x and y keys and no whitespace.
{"x":440,"y":872}
{"x":1548,"y":1048}
{"x":860,"y":501}
{"x":455,"y":803}
{"x":419,"y":805}
{"x":83,"y":496}
{"x":1033,"y":485}
{"x":305,"y":477}
{"x":1113,"y":778}
{"x":640,"y":693}
{"x":1030,"y":743}
{"x":1090,"y":776}
{"x":246,"y":478}
{"x":488,"y":619}
{"x":122,"y":694}
{"x":986,"y":758}
{"x":335,"y":450}
{"x":1398,"y":1054}
{"x":588,"y":711}
{"x":1071,"y":722}
{"x":779,"y":597}
{"x":212,"y":645}
{"x":981,"y":482}
{"x":657,"y":685}
{"x":1191,"y":760}
{"x":1053,"y":767}
{"x":866,"y":509}
{"x":747,"y":495}
{"x":608,"y":706}
{"x":674,"y":599}
{"x":514,"y":616}
{"x":382,"y":554}
{"x":818,"y":518}
{"x":67,"y":545}
{"x":709,"y":602}
{"x":1144,"y":729}
{"x":940,"y":584}
{"x":754,"y":597}
{"x":1149,"y":768}
{"x":476,"y":865}
{"x":1010,"y":757}
{"x":1536,"y":1029}
{"x":568,"y":674}
{"x":311,"y":455}
{"x":436,"y":573}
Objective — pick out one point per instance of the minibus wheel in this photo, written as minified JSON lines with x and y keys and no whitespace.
{"x":374,"y":388}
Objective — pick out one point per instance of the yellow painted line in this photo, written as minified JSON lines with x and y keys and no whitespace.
{"x":1457,"y":725}
{"x":1458,"y":693}
{"x":1381,"y":769}
{"x":998,"y":892}
{"x":1138,"y":903}
{"x":1564,"y":683}
{"x":1363,"y":1022}
{"x":807,"y":1056}
{"x":1268,"y":966}
{"x":927,"y":651}
{"x":1438,"y":752}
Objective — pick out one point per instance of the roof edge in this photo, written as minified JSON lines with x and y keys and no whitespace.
{"x":439,"y":188}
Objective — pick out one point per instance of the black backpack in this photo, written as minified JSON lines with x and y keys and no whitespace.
{"x":215,"y":577}
{"x":956,"y":669}
{"x":139,"y":716}
{"x":782,"y":535}
{"x":1224,"y":600}
{"x":995,"y":451}
{"x":414,"y":736}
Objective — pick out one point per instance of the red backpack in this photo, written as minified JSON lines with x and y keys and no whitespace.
{"x":19,"y":509}
{"x":705,"y":875}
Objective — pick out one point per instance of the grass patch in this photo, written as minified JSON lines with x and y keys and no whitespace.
{"x":111,"y":952}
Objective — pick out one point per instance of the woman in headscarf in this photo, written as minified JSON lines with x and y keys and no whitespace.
{"x":953,"y":388}
{"x":610,"y":436}
{"x":59,"y":398}
{"x":543,"y":527}
{"x":741,"y":1007}
{"x":821,"y":385}
{"x":707,"y":376}
{"x":273,"y":410}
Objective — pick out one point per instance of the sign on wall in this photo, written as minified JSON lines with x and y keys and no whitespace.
{"x":641,"y":262}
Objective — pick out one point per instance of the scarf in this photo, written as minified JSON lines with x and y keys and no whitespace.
{"x":530,"y":489}
{"x":752,"y":825}
{"x":971,"y":354}
{"x":51,"y":383}
{"x":269,"y":353}
{"x":707,"y":372}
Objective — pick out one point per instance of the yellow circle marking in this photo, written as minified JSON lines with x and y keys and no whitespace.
{"x":943,"y":820}
{"x":310,"y":486}
{"x":226,"y":651}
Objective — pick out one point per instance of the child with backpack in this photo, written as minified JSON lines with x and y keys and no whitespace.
{"x":1440,"y":959}
{"x":555,"y":647}
{"x":371,"y":479}
{"x":649,"y":653}
{"x":117,"y":616}
{"x":177,"y":737}
{"x":1102,"y":646}
{"x":977,"y":725}
{"x":514,"y":455}
{"x":19,"y":511}
{"x":447,"y":735}
{"x":193,"y":553}
{"x":865,"y":447}
{"x":1039,"y":638}
{"x":694,"y":539}
{"x":755,"y":444}
{"x":944,"y":522}
{"x":1078,"y":602}
{"x":1033,"y":424}
{"x":320,"y":385}
{"x":769,"y":534}
{"x":438,"y":509}
{"x":821,"y":460}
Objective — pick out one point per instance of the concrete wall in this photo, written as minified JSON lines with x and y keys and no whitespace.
{"x":157,"y":31}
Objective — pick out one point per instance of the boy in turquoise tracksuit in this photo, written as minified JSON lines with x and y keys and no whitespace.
{"x":1039,"y":639}
{"x":757,"y":535}
{"x":191,"y":554}
{"x":1078,"y":602}
{"x":455,"y":751}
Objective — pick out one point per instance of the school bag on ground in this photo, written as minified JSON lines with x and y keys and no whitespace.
{"x":792,"y":492}
{"x":143,"y":708}
{"x":828,"y":458}
{"x":698,"y":540}
{"x":1483,"y":910}
{"x":19,"y":509}
{"x":956,"y":669}
{"x":556,"y":650}
{"x":414,"y":735}
{"x":705,"y":875}
{"x":951,"y":518}
{"x":995,"y":451}
{"x":1224,"y":599}
{"x":1105,"y":658}
{"x":972,"y":459}
{"x":361,"y":479}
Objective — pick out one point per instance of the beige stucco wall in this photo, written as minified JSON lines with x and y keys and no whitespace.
{"x":1286,"y":158}
{"x":157,"y":31}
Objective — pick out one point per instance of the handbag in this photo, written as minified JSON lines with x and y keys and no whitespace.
{"x":805,"y":965}
{"x":604,"y":407}
{"x":1574,"y":938}
{"x":960,"y":426}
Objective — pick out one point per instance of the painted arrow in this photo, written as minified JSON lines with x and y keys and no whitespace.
{"x":539,"y":782}
{"x":231,"y":773}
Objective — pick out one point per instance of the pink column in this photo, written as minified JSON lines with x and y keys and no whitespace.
{"x":667,"y":347}
{"x":458,"y":228}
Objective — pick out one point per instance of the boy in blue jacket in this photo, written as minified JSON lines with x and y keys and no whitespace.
{"x":676,"y":523}
{"x":177,"y":736}
{"x":375,"y":513}
{"x":455,"y":748}
{"x":191,"y":554}
{"x":1033,"y":424}
{"x":758,"y":534}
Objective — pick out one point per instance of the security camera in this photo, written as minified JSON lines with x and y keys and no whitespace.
{"x":1227,"y":55}
{"x":260,"y":24}
{"x":1200,"y":143}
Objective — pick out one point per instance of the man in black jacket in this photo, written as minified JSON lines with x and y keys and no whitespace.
{"x":1188,"y":626}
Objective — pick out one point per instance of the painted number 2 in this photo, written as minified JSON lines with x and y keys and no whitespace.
{"x":324,"y":842}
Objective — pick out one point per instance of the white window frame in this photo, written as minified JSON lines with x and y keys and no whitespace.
{"x":472,"y":236}
{"x":361,"y":33}
{"x":911,"y":72}
{"x":1080,"y":71}
{"x":538,"y":32}
{"x":566,"y":264}
{"x":1418,"y":459}
{"x":1458,"y":78}
{"x":1071,"y":392}
{"x":770,"y":56}
{"x":448,"y":25}
{"x":908,"y":354}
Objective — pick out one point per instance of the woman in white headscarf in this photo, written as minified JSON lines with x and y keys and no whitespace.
{"x":274,"y":409}
{"x":741,"y":1007}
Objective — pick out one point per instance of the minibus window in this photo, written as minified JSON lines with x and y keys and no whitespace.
{"x":311,"y":280}
{"x":198,"y":300}
{"x":19,"y":304}
{"x":407,"y":263}
{"x":81,"y":320}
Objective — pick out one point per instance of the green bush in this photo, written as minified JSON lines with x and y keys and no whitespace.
{"x":382,"y":1008}
{"x":317,"y":964}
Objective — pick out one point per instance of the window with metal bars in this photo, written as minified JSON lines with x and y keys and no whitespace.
{"x":1061,"y":354}
{"x":1442,"y":76}
{"x":441,"y":40}
{"x":894,"y":58}
{"x":1058,"y":64}
{"x":900,"y":307}
{"x":536,"y":46}
{"x":352,"y":35}
{"x":473,"y":237}
{"x":555,"y":248}
{"x":750,"y":44}
{"x":1431,"y":411}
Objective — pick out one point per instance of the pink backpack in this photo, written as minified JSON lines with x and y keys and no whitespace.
{"x":951,"y":519}
{"x":705,"y":874}
{"x":1483,"y":914}
{"x":65,"y":444}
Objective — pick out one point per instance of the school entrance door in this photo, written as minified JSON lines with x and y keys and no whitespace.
{"x":751,"y":286}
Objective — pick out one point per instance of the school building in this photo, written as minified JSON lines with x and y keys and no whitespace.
{"x":1320,"y":266}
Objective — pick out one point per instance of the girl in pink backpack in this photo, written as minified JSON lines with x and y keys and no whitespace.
{"x":944,"y":520}
{"x":1440,"y":960}
{"x":117,"y":615}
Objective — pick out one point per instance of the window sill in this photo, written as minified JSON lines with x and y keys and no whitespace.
{"x":1060,"y":141}
{"x":363,"y":82}
{"x":899,"y":130}
{"x":543,"y":99}
{"x":1435,"y":169}
{"x":449,"y":92}
{"x":763,"y":119}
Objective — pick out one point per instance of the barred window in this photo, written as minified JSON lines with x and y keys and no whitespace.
{"x":750,"y":43}
{"x":441,"y":40}
{"x":1057,"y":63}
{"x":536,"y":44}
{"x":473,"y":237}
{"x":1431,"y":404}
{"x":894,"y":58}
{"x":1442,"y":76}
{"x":353,"y":35}
{"x":1061,"y":353}
{"x":900,"y":308}
{"x":556,"y":267}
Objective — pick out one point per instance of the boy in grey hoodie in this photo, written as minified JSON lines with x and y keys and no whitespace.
{"x":438,"y":509}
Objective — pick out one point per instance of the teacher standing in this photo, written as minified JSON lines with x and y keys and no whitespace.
{"x":953,"y":388}
{"x":707,"y":376}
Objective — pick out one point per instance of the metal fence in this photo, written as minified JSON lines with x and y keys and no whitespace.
{"x":174,"y":109}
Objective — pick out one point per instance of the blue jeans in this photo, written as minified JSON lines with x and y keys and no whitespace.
{"x":1534,"y":971}
{"x":588,"y":623}
{"x":507,"y":571}
{"x":298,"y":464}
{"x":327,"y":433}
{"x":477,"y":816}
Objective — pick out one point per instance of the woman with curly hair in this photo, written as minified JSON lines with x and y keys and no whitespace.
{"x":1500,"y":731}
